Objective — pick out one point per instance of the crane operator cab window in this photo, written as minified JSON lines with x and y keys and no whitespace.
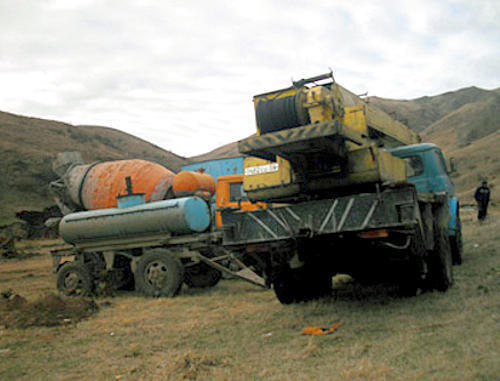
{"x":414,"y":166}
{"x":236,"y":192}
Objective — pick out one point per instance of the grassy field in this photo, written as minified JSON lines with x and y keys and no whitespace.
{"x":236,"y":331}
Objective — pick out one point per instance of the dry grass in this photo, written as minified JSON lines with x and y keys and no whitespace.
{"x":238,"y":332}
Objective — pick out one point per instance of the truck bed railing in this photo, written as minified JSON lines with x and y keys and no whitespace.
{"x":393,"y":208}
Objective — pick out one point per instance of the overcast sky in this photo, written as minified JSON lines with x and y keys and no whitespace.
{"x":181,"y":74}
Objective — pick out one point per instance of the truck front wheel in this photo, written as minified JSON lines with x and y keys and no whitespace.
{"x":159,"y":273}
{"x":457,"y":245}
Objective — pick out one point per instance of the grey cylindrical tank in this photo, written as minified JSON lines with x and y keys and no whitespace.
{"x":180,"y":216}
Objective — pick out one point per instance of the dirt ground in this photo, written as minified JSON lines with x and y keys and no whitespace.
{"x":236,"y":331}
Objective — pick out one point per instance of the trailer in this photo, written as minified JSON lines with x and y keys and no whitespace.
{"x":154,"y":265}
{"x":153,"y":247}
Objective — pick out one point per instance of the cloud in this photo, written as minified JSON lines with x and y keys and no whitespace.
{"x":182,"y":74}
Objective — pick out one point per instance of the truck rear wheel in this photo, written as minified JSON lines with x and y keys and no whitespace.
{"x":286,"y":287}
{"x":301,"y":285}
{"x":201,"y":276}
{"x":159,"y":273}
{"x":73,"y":278}
{"x":409,"y":281}
{"x":440,"y":264}
{"x":457,"y":244}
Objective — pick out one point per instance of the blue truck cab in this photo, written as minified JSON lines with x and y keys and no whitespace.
{"x":429,"y":172}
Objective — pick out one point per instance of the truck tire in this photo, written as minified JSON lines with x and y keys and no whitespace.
{"x":457,"y":244}
{"x":73,"y":278}
{"x":286,"y":287}
{"x":440,"y":264}
{"x":301,"y":285}
{"x":410,"y":273}
{"x":201,"y":276}
{"x":409,"y":282}
{"x":159,"y":273}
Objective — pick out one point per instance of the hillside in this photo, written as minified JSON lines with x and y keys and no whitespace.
{"x":420,"y":113}
{"x":228,"y":150}
{"x":28,"y":146}
{"x":465,"y":124}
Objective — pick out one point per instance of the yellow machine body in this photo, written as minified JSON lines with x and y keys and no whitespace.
{"x":320,"y":138}
{"x":364,"y":165}
{"x":265,"y":179}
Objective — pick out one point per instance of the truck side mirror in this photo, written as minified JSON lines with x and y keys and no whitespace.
{"x":453,"y":165}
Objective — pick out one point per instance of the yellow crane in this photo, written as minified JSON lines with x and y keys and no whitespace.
{"x":314,"y":138}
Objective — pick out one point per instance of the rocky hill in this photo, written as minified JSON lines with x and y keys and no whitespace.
{"x":223,"y":152}
{"x":465,"y":124}
{"x":28,"y":146}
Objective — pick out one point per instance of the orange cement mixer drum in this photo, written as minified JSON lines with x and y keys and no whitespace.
{"x":105,"y":181}
{"x":187,"y":183}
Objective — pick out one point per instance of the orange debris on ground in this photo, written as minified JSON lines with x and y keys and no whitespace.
{"x":321,"y":330}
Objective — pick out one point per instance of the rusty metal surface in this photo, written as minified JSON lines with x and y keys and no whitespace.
{"x":98,"y":187}
{"x":73,"y":180}
{"x":394,"y":208}
{"x":187,"y":183}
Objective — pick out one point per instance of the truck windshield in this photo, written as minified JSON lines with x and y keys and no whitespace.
{"x":236,"y":192}
{"x":441,"y":162}
{"x":414,"y":166}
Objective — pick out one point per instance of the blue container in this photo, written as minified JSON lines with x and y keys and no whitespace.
{"x":179,"y":216}
{"x":218,"y":167}
{"x":130,"y":200}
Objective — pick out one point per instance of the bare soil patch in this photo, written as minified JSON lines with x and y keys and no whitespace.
{"x":48,"y":311}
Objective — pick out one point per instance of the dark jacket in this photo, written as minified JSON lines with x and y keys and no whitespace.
{"x":482,"y":194}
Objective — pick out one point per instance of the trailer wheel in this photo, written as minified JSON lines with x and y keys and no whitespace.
{"x":73,"y":278}
{"x":457,"y":244}
{"x":159,"y":273}
{"x":201,"y":276}
{"x":440,"y":264}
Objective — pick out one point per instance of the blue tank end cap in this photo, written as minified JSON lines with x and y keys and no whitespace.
{"x":196,"y":213}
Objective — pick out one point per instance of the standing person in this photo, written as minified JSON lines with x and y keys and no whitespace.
{"x":482,"y":196}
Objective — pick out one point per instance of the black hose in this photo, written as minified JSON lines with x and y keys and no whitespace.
{"x":280,"y":114}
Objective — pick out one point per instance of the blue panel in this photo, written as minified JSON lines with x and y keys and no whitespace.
{"x":219,"y":167}
{"x":452,"y":225}
{"x":130,"y":200}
